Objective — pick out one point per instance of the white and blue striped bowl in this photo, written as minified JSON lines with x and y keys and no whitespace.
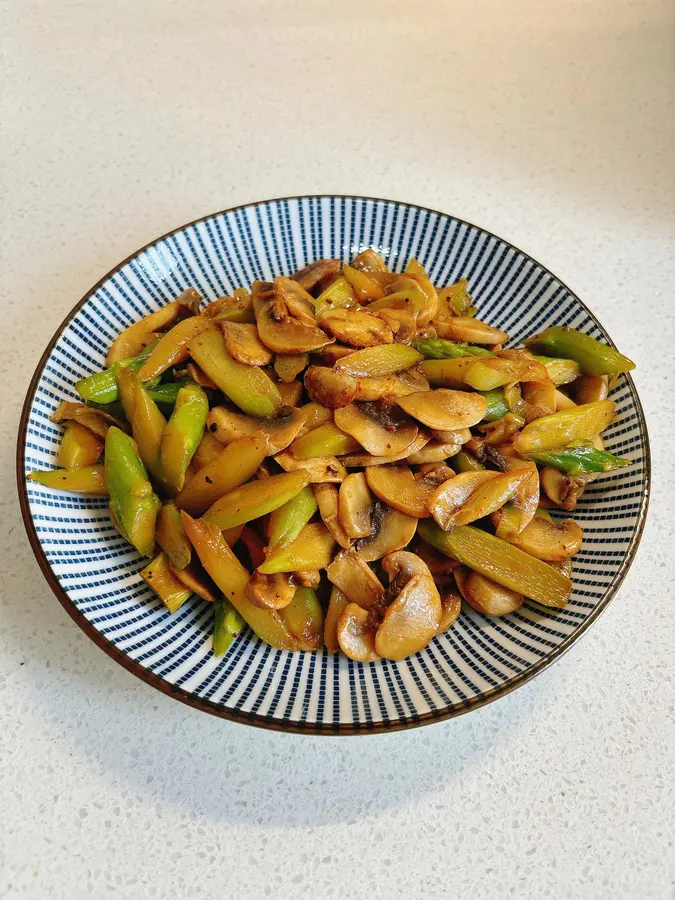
{"x":95,"y":574}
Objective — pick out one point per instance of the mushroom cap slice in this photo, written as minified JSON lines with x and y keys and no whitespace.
{"x":472,"y":495}
{"x":270,"y":591}
{"x":356,"y":327}
{"x":401,"y":322}
{"x":329,"y":387}
{"x":390,"y":530}
{"x":379,"y":427}
{"x":336,"y":605}
{"x":319,"y":469}
{"x":445,"y":409}
{"x":485,"y":595}
{"x":473,"y":331}
{"x":355,"y":579}
{"x":404,"y":565}
{"x":355,"y":505}
{"x":285,"y":333}
{"x":397,"y":487}
{"x":355,"y":634}
{"x":244,"y":345}
{"x":411,"y":621}
{"x":436,"y":451}
{"x":316,"y":273}
{"x":451,"y":607}
{"x":549,"y":540}
{"x":304,"y":618}
{"x":326,"y":496}
{"x":366,"y":459}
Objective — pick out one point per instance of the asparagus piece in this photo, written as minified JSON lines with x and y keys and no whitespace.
{"x":594,"y":357}
{"x":580,"y":459}
{"x":133,"y":504}
{"x":497,"y":407}
{"x":87,"y":480}
{"x":101,"y":388}
{"x":286,"y":523}
{"x":226,"y":626}
{"x":182,"y":434}
{"x":439,"y":348}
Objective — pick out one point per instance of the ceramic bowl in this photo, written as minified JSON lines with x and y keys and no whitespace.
{"x":95,"y":573}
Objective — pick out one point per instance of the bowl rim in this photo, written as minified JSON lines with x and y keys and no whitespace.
{"x":269,"y":722}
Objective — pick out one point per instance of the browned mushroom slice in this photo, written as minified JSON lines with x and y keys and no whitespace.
{"x":414,"y":617}
{"x":289,"y":327}
{"x":485,"y":595}
{"x":316,"y":273}
{"x":451,"y":607}
{"x":355,"y":505}
{"x":450,"y":437}
{"x":563,"y":490}
{"x":390,"y":530}
{"x":356,"y":635}
{"x":243,"y":343}
{"x":401,"y":322}
{"x":368,"y":261}
{"x":396,"y":486}
{"x":326,"y":496}
{"x":436,"y":451}
{"x":356,"y":328}
{"x":590,"y":388}
{"x":271,"y":591}
{"x":356,"y":460}
{"x":445,"y":409}
{"x":547,"y":540}
{"x":289,"y":367}
{"x":411,"y":381}
{"x":137,"y":335}
{"x":318,"y":470}
{"x":332,"y":353}
{"x":336,"y":605}
{"x":473,"y":331}
{"x":308,"y":578}
{"x":472,"y":495}
{"x":379,"y":427}
{"x":353,"y":576}
{"x":280,"y":430}
{"x":329,"y":387}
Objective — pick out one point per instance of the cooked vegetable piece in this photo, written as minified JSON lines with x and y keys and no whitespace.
{"x":473,"y":495}
{"x":326,"y":440}
{"x":338,"y":295}
{"x":356,"y":635}
{"x":485,"y":595}
{"x":304,"y":619}
{"x":159,"y":577}
{"x":311,"y":549}
{"x":232,"y":579}
{"x":326,"y":496}
{"x":132,"y":501}
{"x":568,"y":426}
{"x":441,"y":348}
{"x":355,"y":579}
{"x":232,"y":309}
{"x":374,"y":362}
{"x":447,"y":372}
{"x":164,"y":394}
{"x":95,"y":420}
{"x":87,"y":480}
{"x":455,"y":300}
{"x":580,"y":459}
{"x":170,"y":535}
{"x":136,"y":336}
{"x":79,"y":447}
{"x":209,"y":449}
{"x":364,"y":287}
{"x":248,"y":387}
{"x":285,"y":329}
{"x":470,"y":330}
{"x":235,"y":464}
{"x":560,"y":371}
{"x":546,"y":539}
{"x":390,"y":530}
{"x":397,"y":487}
{"x":445,"y":409}
{"x":102,"y":386}
{"x":182,"y":435}
{"x":336,"y":605}
{"x":506,"y":367}
{"x":564,"y":490}
{"x":465,"y":462}
{"x":378,"y":427}
{"x":280,"y":430}
{"x":496,"y":407}
{"x":451,"y":607}
{"x":329,"y":387}
{"x":227,"y":624}
{"x":355,"y":505}
{"x":366,"y":459}
{"x":501,"y":562}
{"x":315,"y":414}
{"x":356,"y":327}
{"x":316,"y":273}
{"x":286,"y":522}
{"x":171,"y":348}
{"x":324,"y":468}
{"x":290,"y":366}
{"x":436,"y":451}
{"x":196,"y":580}
{"x":594,"y":357}
{"x":255,"y":499}
{"x":271,"y":591}
{"x":244,"y":345}
{"x":589,"y":388}
{"x":414,"y":616}
{"x":147,"y":422}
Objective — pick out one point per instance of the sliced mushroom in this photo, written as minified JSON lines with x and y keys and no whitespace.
{"x":548,"y":540}
{"x":326,"y":496}
{"x":450,"y":437}
{"x":308,"y":578}
{"x":329,"y":387}
{"x":316,"y":273}
{"x":243,"y":343}
{"x":451,"y":607}
{"x":401,"y":322}
{"x":286,"y":328}
{"x":435,"y":451}
{"x":369,"y":261}
{"x":563,"y":490}
{"x":290,"y":392}
{"x":390,"y":530}
{"x":365,"y":288}
{"x":280,"y":430}
{"x":485,"y":595}
{"x":332,"y":353}
{"x":356,"y":327}
{"x":589,"y":388}
{"x":355,"y":634}
{"x":271,"y":591}
{"x":414,"y":617}
{"x":355,"y":505}
{"x":198,"y":375}
{"x":379,"y":427}
{"x":318,"y":470}
{"x":562,"y":401}
{"x":350,"y":573}
{"x":356,"y":460}
{"x":95,"y":420}
{"x":336,"y":605}
{"x":315,"y":414}
{"x":539,"y":399}
{"x":473,"y":331}
{"x":472,"y":495}
{"x":304,"y":618}
{"x":289,"y":367}
{"x":397,"y":487}
{"x":445,"y":409}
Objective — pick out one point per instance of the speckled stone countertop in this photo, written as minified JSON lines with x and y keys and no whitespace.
{"x":550,"y":124}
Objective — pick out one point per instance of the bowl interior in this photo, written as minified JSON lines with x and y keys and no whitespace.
{"x":95,"y":573}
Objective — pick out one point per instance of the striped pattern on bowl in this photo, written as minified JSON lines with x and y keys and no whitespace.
{"x":95,"y":574}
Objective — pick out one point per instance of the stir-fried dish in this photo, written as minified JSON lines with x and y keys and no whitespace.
{"x":341,"y":457}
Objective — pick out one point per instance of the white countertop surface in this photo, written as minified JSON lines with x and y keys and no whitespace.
{"x":552,"y":124}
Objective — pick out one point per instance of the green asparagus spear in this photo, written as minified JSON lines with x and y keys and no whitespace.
{"x":147,"y":422}
{"x":580,"y":459}
{"x":561,"y":371}
{"x":101,"y":387}
{"x":497,"y":407}
{"x":465,"y":462}
{"x":227,"y":625}
{"x":182,"y":434}
{"x":85,"y":480}
{"x":133,"y":504}
{"x":594,"y":357}
{"x":287,"y":522}
{"x":439,"y":348}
